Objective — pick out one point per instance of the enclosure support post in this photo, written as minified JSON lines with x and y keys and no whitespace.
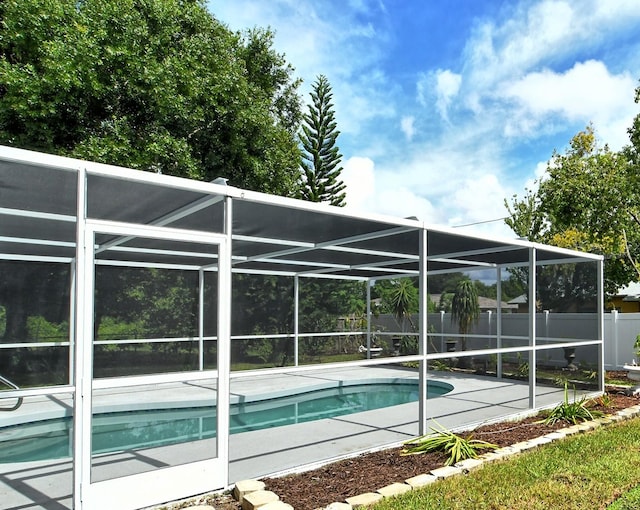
{"x":532,"y":328}
{"x":369,"y":283}
{"x":499,"y":321}
{"x":600,"y":311}
{"x":82,"y":347}
{"x":201,"y":319}
{"x":72,"y":320}
{"x":225,"y":311}
{"x":296,"y":324}
{"x":423,"y":351}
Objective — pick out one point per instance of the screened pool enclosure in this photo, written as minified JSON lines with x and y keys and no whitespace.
{"x":161,"y":337}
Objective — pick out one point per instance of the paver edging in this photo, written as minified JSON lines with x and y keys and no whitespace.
{"x":394,"y":489}
{"x":495,"y":455}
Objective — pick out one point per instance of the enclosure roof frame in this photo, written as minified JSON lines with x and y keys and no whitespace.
{"x":270,"y":234}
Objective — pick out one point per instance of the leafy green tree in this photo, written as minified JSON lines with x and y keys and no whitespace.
{"x":512,"y":287}
{"x":443,"y":283}
{"x":321,"y":156}
{"x":444,"y":305}
{"x":34,"y":298}
{"x":157,"y":85}
{"x":465,"y":310}
{"x":589,"y":201}
{"x":32,"y":289}
{"x":323,"y":302}
{"x":329,"y":306}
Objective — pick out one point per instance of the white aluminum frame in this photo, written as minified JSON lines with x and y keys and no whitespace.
{"x":133,"y":492}
{"x":172,"y":482}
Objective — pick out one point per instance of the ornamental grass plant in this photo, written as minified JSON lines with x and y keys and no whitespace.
{"x":571,"y":412}
{"x":456,"y":447}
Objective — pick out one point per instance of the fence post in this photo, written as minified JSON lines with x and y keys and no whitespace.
{"x":614,"y":334}
{"x":442,"y":339}
{"x":546,"y":323}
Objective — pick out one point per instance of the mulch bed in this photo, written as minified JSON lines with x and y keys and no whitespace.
{"x":372,"y":471}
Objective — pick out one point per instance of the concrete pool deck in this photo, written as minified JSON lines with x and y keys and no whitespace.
{"x":473,"y":400}
{"x":256,"y":454}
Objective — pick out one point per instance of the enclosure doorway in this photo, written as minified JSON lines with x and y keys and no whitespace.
{"x":152,"y":417}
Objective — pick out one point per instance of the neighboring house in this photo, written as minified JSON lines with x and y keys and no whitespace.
{"x":486,"y":304}
{"x":520,"y":303}
{"x":627,"y":300}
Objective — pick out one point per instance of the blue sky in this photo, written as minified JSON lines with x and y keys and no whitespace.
{"x":447,"y":107}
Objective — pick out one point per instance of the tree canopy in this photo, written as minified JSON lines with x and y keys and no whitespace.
{"x":321,"y":156}
{"x":589,"y":200}
{"x":157,"y":85}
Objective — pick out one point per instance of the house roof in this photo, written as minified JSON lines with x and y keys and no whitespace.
{"x":629,"y":293}
{"x":485,"y":303}
{"x":520,"y":300}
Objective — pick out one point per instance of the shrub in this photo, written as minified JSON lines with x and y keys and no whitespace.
{"x":571,"y":412}
{"x":441,"y":440}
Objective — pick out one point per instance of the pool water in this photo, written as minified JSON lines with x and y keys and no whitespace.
{"x":52,"y":439}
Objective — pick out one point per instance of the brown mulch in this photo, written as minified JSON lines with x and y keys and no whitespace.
{"x":369,"y":472}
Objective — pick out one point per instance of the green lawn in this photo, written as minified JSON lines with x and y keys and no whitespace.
{"x":629,"y":501}
{"x":586,"y":471}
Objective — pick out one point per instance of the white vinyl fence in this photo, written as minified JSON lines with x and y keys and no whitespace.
{"x":620,"y":330}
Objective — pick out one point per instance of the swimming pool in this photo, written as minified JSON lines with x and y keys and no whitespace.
{"x":117,"y":431}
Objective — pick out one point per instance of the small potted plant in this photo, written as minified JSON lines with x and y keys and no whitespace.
{"x":633,"y":369}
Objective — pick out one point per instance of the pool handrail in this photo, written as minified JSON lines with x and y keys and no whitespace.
{"x":7,"y":382}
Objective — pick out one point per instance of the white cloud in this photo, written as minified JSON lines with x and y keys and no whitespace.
{"x":448,"y":185}
{"x":537,"y":32}
{"x":525,"y":56}
{"x":481,"y":203}
{"x":407,"y":126}
{"x":345,"y":48}
{"x":359,"y":101}
{"x":423,"y":89}
{"x":447,"y":87}
{"x":516,"y":94}
{"x":404,"y":203}
{"x":367,"y":193}
{"x":359,"y":177}
{"x":586,"y":92}
{"x":439,"y":87}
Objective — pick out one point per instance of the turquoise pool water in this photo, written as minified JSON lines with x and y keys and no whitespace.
{"x":51,"y":439}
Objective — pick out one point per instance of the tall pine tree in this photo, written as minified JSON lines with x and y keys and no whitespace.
{"x":320,"y":181}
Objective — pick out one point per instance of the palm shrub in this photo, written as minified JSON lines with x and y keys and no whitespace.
{"x":465,"y":310}
{"x":571,"y":412}
{"x":403,"y":301}
{"x":442,"y":440}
